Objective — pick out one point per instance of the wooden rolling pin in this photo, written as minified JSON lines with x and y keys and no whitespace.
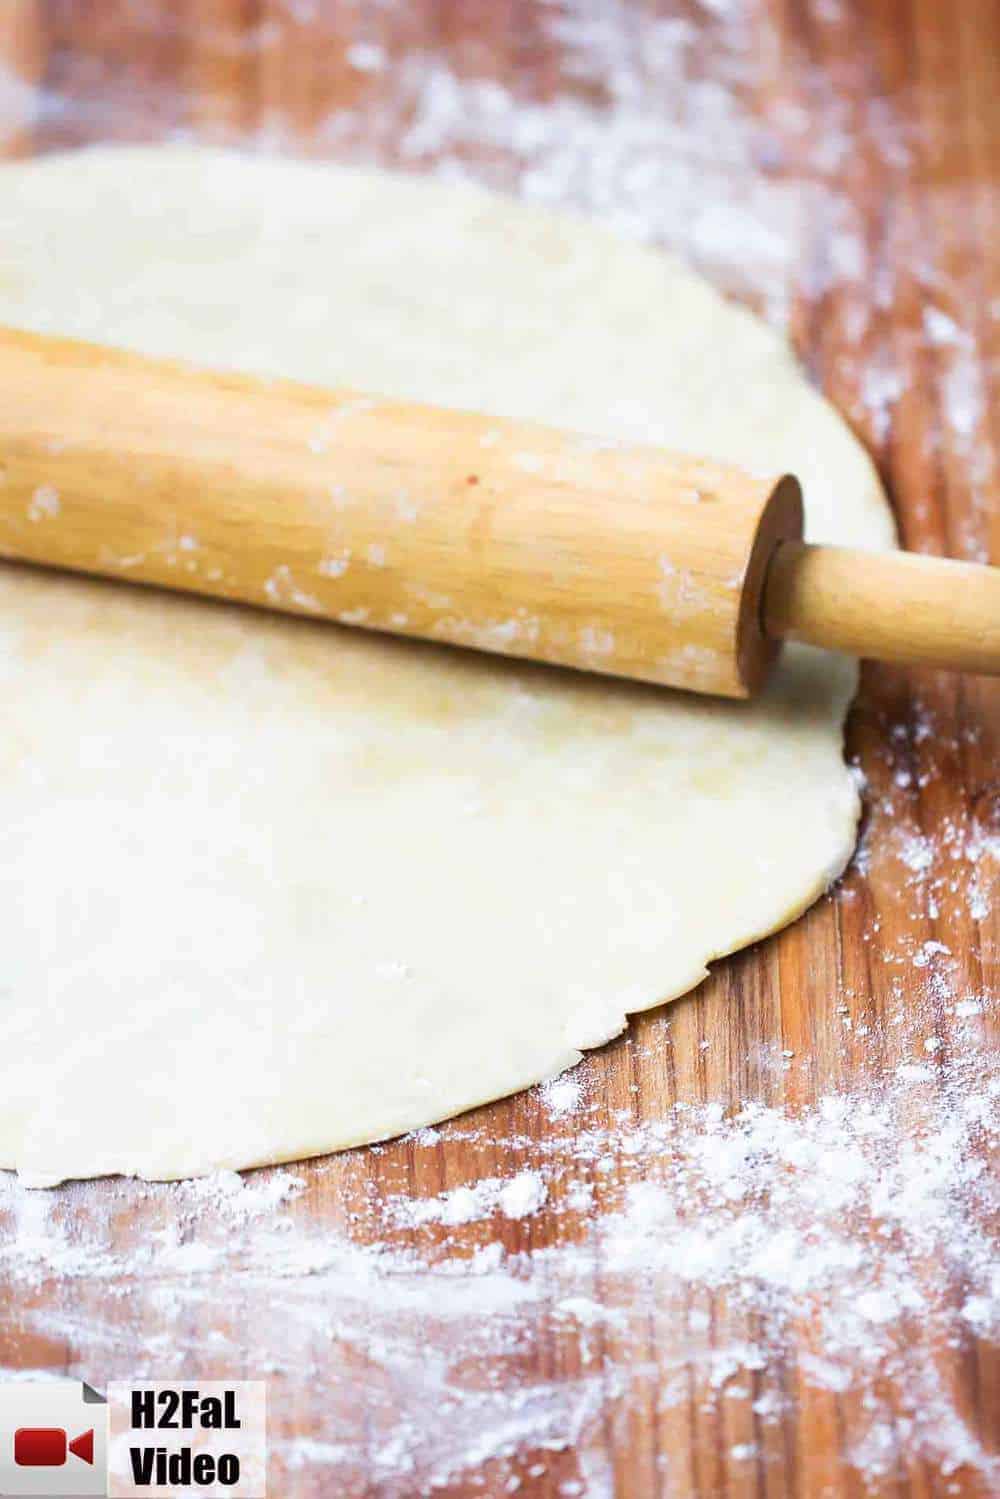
{"x":469,"y":529}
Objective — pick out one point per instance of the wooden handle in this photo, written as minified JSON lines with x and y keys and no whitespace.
{"x":442,"y":524}
{"x":893,"y":606}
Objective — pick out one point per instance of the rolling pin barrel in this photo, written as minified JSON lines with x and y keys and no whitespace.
{"x":453,"y":527}
{"x":441,"y":524}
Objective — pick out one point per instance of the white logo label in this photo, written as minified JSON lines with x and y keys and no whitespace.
{"x":187,"y":1437}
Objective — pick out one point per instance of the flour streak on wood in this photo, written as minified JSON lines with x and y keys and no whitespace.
{"x":835,"y":162}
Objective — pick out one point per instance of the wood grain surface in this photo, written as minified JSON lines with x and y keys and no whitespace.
{"x":835,"y":164}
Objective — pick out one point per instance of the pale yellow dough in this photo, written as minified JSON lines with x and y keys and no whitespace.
{"x":270,"y":888}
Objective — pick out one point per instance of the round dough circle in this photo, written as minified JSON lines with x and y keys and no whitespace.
{"x":270,"y":888}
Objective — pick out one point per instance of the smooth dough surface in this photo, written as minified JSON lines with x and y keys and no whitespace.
{"x":268,"y":887}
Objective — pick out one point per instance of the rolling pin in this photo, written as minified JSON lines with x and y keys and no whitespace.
{"x":447,"y":525}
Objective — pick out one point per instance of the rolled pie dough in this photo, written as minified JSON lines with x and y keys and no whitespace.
{"x":269,"y":887}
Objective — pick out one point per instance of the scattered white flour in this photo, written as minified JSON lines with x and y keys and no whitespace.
{"x":519,"y":1197}
{"x":562,"y":1095}
{"x":240,"y":1198}
{"x":18,"y":103}
{"x":851,"y":1219}
{"x":44,"y":503}
{"x":366,"y":57}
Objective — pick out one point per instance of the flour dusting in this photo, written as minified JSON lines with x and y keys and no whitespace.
{"x":857,"y":1219}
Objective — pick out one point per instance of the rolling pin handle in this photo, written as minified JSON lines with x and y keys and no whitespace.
{"x":890,"y":606}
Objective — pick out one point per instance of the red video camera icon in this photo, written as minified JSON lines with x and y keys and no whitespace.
{"x":47,"y":1446}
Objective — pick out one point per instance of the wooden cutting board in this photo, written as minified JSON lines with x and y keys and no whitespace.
{"x":794,"y":1309}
